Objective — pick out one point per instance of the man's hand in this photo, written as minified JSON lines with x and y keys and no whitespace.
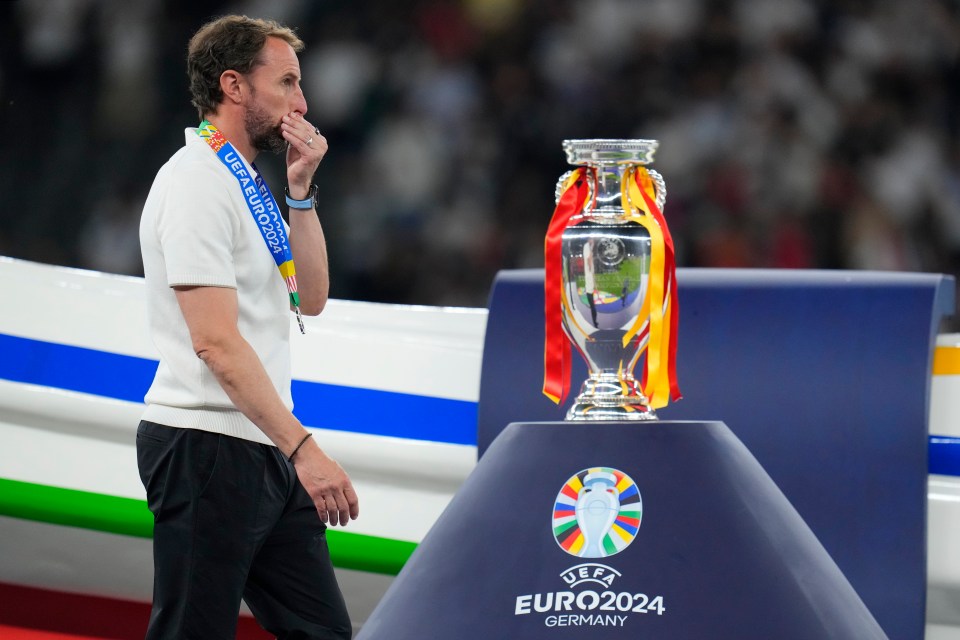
{"x":328,"y":485}
{"x":304,"y":153}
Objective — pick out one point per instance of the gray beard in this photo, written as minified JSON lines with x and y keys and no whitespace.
{"x":264,"y":135}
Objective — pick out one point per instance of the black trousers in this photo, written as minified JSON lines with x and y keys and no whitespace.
{"x":233,"y":521}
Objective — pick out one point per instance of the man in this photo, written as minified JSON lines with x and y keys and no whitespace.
{"x":239,"y":491}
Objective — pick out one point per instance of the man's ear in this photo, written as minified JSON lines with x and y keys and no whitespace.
{"x":230,"y":84}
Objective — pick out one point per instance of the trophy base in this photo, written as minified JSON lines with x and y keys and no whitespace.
{"x":591,"y":411}
{"x":610,"y":398}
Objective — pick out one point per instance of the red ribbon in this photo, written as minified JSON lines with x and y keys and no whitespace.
{"x":556,"y":349}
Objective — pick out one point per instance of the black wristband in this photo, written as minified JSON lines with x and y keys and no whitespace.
{"x":297,"y":448}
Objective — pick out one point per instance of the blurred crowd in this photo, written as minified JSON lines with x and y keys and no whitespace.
{"x":793,"y":133}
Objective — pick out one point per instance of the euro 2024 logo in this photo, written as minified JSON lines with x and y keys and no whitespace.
{"x":597,"y":513}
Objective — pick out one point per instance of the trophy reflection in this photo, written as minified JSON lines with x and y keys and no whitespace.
{"x":607,"y":271}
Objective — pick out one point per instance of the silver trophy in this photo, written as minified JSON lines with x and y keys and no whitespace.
{"x":605,"y":276}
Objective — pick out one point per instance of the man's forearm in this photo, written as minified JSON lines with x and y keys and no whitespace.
{"x":309,"y":249}
{"x":239,"y":371}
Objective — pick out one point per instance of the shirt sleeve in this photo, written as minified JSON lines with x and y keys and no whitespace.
{"x":197,"y":229}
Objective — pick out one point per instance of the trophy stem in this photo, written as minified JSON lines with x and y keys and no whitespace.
{"x":608,"y":396}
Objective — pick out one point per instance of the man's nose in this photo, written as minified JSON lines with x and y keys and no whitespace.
{"x":300,"y":102}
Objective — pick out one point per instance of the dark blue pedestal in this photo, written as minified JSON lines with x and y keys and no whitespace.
{"x":719,"y":551}
{"x":823,"y":375}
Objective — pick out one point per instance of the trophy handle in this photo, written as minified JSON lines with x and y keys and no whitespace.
{"x":661,"y":188}
{"x":559,"y":190}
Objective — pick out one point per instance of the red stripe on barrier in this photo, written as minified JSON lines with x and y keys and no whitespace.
{"x":17,"y":633}
{"x":58,"y":615}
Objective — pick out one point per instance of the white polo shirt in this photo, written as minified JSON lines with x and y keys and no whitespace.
{"x":196,"y":230}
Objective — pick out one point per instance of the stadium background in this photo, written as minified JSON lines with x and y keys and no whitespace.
{"x":794,"y":133}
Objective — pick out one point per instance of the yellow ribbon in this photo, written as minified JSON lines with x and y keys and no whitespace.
{"x":657,"y":379}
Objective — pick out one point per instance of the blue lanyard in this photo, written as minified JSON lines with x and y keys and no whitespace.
{"x":262,"y":207}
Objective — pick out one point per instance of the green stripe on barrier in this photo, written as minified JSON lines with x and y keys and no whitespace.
{"x":130,"y":517}
{"x":74,"y":508}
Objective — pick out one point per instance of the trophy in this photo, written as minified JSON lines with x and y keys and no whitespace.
{"x":611,"y":283}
